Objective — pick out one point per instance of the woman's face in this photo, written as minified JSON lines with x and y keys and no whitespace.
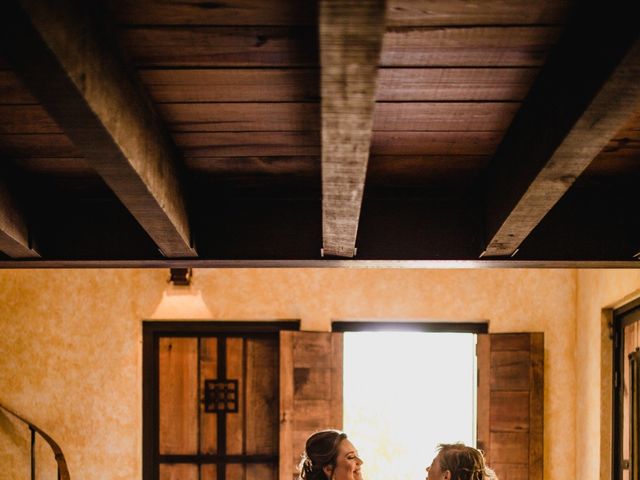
{"x":434,"y":472}
{"x":347,"y":463}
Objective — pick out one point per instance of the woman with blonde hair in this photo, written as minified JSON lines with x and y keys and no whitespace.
{"x":459,"y":462}
{"x":328,"y":455}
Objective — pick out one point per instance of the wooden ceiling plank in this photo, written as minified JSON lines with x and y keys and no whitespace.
{"x":63,"y":52}
{"x":185,"y":46}
{"x":435,"y":143}
{"x":454,"y":84}
{"x":12,"y":92}
{"x":444,"y":116}
{"x":229,"y":12}
{"x":157,"y":46}
{"x":286,"y":12}
{"x":58,"y":167}
{"x":255,"y":166}
{"x":588,"y":91}
{"x":296,"y":116}
{"x":412,"y":13}
{"x":471,"y":46}
{"x":23,"y":145}
{"x":351,"y":33}
{"x":305,"y":143}
{"x":240,"y":117}
{"x":301,"y":85}
{"x":27,"y":119}
{"x":231,"y":85}
{"x":14,"y":232}
{"x":248,"y":144}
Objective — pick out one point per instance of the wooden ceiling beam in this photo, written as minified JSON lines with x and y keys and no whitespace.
{"x":587,"y":91}
{"x":351,"y":34}
{"x":14,"y":232}
{"x":65,"y":54}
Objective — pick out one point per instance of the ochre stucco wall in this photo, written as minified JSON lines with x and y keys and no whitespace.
{"x":598,"y":291}
{"x":71,"y":340}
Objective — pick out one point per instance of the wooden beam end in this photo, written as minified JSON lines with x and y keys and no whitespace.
{"x":339,"y":251}
{"x":16,"y":248}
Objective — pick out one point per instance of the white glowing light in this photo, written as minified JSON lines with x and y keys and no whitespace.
{"x":182,"y":302}
{"x":404,"y":393}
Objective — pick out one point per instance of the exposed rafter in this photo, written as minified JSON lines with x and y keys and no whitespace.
{"x":351,"y":34}
{"x":586,"y":93}
{"x":14,"y":234}
{"x":63,"y":53}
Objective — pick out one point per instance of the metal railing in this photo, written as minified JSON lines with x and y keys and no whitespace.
{"x":63,"y":470}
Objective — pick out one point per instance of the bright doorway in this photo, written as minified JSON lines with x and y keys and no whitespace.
{"x":405,"y":393}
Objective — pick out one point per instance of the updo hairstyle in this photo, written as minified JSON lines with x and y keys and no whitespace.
{"x":320,"y":450}
{"x":464,"y":463}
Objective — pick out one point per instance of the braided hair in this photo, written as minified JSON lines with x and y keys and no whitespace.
{"x":464,"y":463}
{"x":320,"y":450}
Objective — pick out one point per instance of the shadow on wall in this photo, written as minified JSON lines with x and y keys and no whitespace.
{"x":14,"y":446}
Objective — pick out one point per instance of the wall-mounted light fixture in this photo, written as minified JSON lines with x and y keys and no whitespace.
{"x":182,"y":298}
{"x":180,"y":277}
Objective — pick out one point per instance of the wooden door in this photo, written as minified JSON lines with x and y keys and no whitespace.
{"x":510,"y":403}
{"x":310,"y":391}
{"x":217,"y":407}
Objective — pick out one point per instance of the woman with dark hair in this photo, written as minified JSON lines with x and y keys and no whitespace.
{"x":328,"y":455}
{"x":458,"y":462}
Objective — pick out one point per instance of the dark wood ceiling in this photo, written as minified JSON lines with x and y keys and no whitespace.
{"x":166,"y":131}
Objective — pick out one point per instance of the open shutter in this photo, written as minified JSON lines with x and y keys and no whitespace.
{"x":510,"y":403}
{"x":310,"y":391}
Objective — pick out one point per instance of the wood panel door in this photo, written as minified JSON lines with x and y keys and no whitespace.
{"x":217,"y":407}
{"x":510,"y":403}
{"x":310,"y":391}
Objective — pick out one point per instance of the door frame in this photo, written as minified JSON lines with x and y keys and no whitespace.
{"x":622,"y":317}
{"x":477,"y":328}
{"x":151,"y":333}
{"x":435,"y":327}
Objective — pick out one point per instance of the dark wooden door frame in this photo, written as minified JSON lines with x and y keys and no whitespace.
{"x":151,"y":333}
{"x":622,"y":317}
{"x":434,"y":327}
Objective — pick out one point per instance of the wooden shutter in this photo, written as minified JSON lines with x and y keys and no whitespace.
{"x":310,"y":391}
{"x":510,"y":403}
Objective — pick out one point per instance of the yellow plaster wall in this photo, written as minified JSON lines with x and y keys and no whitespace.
{"x":598,"y":291}
{"x":70,"y":340}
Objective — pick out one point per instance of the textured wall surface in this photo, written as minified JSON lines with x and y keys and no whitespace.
{"x":71,"y":340}
{"x":597,"y":290}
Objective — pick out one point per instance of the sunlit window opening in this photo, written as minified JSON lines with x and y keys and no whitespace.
{"x":405,"y":393}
